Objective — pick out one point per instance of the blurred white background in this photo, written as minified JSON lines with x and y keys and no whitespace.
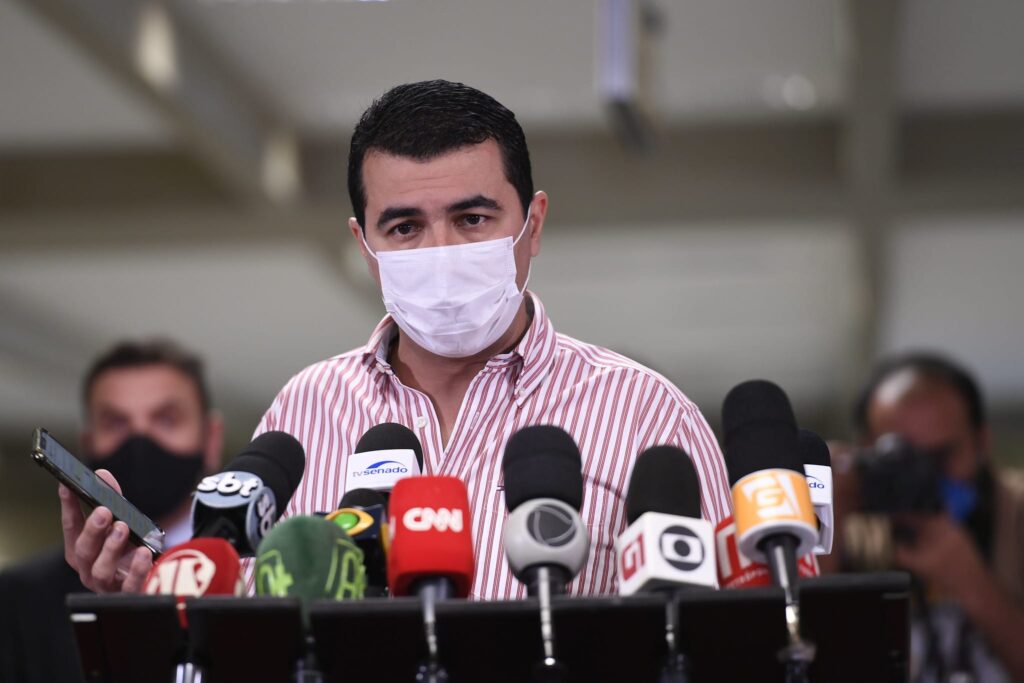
{"x":824,"y":181}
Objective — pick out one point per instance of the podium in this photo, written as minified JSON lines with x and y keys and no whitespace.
{"x":859,"y":623}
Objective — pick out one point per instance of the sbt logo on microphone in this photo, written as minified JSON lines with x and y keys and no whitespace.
{"x":229,"y":484}
{"x":427,"y":519}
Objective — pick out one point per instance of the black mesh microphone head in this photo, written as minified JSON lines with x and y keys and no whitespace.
{"x":390,"y":436}
{"x":277,"y":459}
{"x":542,"y":462}
{"x":813,"y":450}
{"x":362,"y":498}
{"x":760,"y":430}
{"x":664,"y":481}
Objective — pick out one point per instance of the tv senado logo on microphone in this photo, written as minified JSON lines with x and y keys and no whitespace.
{"x":814,"y":483}
{"x":551,"y":526}
{"x":382,"y":467}
{"x":681,"y":548}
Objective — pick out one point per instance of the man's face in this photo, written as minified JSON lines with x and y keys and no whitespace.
{"x":932,"y":417}
{"x":459,"y":197}
{"x":153,"y":400}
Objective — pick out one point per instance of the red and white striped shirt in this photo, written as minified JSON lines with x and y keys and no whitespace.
{"x":613,"y":407}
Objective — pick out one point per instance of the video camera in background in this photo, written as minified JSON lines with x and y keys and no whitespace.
{"x":897,"y":478}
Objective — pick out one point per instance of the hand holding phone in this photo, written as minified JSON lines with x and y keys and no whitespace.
{"x":98,"y":547}
{"x":101,"y":548}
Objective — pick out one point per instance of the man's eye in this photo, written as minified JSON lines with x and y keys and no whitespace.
{"x":474,"y":219}
{"x":402,"y":229}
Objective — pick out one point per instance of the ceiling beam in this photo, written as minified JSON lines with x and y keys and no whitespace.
{"x":224,"y":123}
{"x":869,"y":152}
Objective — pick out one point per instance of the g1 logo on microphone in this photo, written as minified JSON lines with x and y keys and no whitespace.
{"x":550,"y":526}
{"x":681,"y":548}
{"x":631,"y":559}
{"x":425,"y":519}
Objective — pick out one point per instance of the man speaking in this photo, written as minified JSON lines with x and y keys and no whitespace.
{"x":448,"y":221}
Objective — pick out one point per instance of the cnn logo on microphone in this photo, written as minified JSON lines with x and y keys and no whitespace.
{"x":425,"y":519}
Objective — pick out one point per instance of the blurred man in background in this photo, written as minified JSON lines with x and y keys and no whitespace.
{"x":967,"y":550}
{"x":148,"y":421}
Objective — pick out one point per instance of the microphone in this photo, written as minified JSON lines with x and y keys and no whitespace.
{"x":736,"y":570}
{"x":772,"y":507}
{"x":202,"y":566}
{"x":242,"y":503}
{"x":818,"y":470}
{"x":772,"y":502}
{"x":431,"y":540}
{"x":362,"y":514}
{"x":667,"y":546}
{"x":309,"y":558}
{"x":385,"y":453}
{"x":545,"y":538}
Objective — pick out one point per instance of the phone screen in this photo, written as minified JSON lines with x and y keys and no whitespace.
{"x":94,"y":491}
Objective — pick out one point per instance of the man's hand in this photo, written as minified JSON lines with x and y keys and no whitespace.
{"x":98,"y":548}
{"x":942,"y":554}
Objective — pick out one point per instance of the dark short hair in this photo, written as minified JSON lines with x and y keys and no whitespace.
{"x":136,"y":354}
{"x":426,"y":119}
{"x":933,"y":366}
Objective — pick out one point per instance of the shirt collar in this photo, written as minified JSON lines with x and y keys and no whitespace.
{"x":535,"y":351}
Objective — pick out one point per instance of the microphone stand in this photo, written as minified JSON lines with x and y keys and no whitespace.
{"x":799,"y":653}
{"x":549,"y":670}
{"x":430,"y":591}
{"x":677,"y":667}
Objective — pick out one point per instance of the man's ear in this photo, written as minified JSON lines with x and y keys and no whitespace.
{"x":538,"y":212}
{"x":213,"y":444}
{"x":357,"y":234}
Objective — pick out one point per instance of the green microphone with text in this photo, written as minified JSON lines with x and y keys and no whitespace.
{"x":309,"y":558}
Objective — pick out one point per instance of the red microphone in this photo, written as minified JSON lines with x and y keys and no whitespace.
{"x":736,"y":570}
{"x":431,"y":538}
{"x":202,"y":566}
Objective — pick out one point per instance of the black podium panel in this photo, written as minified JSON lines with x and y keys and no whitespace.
{"x":126,"y":638}
{"x":240,"y":640}
{"x":859,"y":623}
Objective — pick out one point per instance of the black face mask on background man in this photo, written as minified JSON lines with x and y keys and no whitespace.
{"x":152,"y":478}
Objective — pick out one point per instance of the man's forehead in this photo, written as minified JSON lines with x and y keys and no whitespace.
{"x":911,"y":402}
{"x":141,"y":388}
{"x":439,"y":180}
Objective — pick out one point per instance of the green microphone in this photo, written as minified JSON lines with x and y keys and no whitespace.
{"x":309,"y":558}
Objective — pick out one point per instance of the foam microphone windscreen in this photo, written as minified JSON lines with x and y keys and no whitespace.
{"x":362,"y":498}
{"x":202,"y":566}
{"x":813,"y":449}
{"x":663,"y":480}
{"x":542,"y":462}
{"x":759,"y":430}
{"x":278,"y":459}
{"x":309,"y":558}
{"x":390,"y":436}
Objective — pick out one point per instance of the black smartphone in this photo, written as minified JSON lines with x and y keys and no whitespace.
{"x":93,"y":491}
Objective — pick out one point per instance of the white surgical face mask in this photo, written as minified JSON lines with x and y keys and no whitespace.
{"x":453,"y":301}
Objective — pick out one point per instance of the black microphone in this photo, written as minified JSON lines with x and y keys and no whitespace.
{"x":242,"y":502}
{"x":774,"y":516}
{"x":363,"y":514}
{"x":667,"y":546}
{"x":385,"y":453}
{"x":545,"y":538}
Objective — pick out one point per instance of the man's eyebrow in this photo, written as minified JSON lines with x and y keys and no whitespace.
{"x":477,"y":202}
{"x":392,"y":212}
